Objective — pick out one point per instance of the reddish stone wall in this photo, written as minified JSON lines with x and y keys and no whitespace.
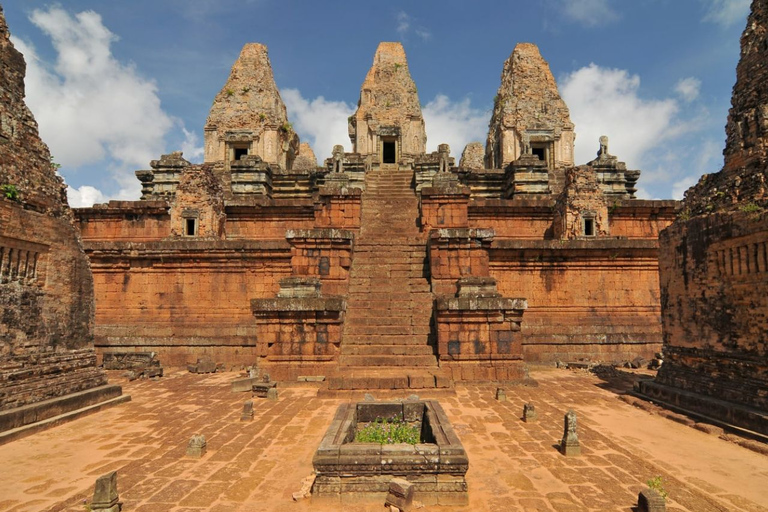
{"x":516,"y":219}
{"x":715,"y":296}
{"x":443,"y":211}
{"x":641,"y":219}
{"x":457,"y":253}
{"x":268,"y":223}
{"x":595,"y":299}
{"x":339,"y":211}
{"x":185,"y":299}
{"x":325,"y":254}
{"x":127,"y":221}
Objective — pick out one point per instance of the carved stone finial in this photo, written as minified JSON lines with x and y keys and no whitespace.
{"x":338,"y":158}
{"x":444,"y":152}
{"x":603,"y":151}
{"x":525,"y":143}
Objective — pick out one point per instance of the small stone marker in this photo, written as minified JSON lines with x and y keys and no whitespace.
{"x":247,"y":414}
{"x":650,"y":500}
{"x":400,"y":494}
{"x":197,"y":446}
{"x":369,"y":398}
{"x":569,"y":446}
{"x":501,"y":395}
{"x":105,"y":498}
{"x":412,"y":398}
{"x":272,"y":394}
{"x":529,"y":413}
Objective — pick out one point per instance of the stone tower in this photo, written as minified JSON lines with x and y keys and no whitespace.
{"x":713,"y":263}
{"x":46,"y":286}
{"x":248,"y":116}
{"x":747,"y":127}
{"x":529,"y":116}
{"x":388,"y":126}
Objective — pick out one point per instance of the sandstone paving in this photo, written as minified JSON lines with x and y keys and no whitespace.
{"x":256,"y":465}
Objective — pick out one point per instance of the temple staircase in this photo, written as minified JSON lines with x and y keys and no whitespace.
{"x":387,"y":341}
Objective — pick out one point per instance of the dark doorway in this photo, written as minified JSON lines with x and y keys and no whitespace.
{"x":191,"y":226}
{"x":540,"y":153}
{"x":388,"y":153}
{"x":240,"y":152}
{"x":589,"y":227}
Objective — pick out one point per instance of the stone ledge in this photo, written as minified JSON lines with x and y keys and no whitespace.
{"x":449,"y":303}
{"x":461,"y":233}
{"x":734,"y":416}
{"x":567,"y":245}
{"x":328,"y":233}
{"x":181,"y":245}
{"x":334,"y":304}
{"x":26,"y":430}
{"x":13,"y":419}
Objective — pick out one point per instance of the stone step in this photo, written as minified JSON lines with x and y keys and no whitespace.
{"x":388,"y":318}
{"x":385,"y":322}
{"x":388,"y":361}
{"x":388,"y":339}
{"x":353,"y":378}
{"x":365,"y":308}
{"x":386,"y":350}
{"x":387,"y":330}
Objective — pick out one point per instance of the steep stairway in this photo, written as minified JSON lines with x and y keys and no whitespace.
{"x":386,"y":342}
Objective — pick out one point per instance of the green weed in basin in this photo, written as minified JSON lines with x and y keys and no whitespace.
{"x":388,"y":432}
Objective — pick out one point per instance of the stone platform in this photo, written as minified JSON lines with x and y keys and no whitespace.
{"x":256,"y":465}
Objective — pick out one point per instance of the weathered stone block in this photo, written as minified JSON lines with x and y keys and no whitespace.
{"x":650,"y":500}
{"x":569,"y":445}
{"x":197,"y":446}
{"x":247,"y":414}
{"x":105,"y":497}
{"x":400,"y":494}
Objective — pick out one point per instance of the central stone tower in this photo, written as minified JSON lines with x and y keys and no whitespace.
{"x":388,"y":127}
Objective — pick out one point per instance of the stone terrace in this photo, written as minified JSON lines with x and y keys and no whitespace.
{"x":257,"y":465}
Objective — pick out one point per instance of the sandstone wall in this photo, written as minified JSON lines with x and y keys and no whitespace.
{"x":713,"y":276}
{"x":185,"y":299}
{"x":586,"y":299}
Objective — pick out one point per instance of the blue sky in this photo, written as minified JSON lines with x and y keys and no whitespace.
{"x":115,"y":84}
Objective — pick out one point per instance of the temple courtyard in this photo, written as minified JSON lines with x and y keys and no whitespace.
{"x":257,"y":465}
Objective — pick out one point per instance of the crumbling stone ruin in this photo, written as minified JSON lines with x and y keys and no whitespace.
{"x":712,"y":263}
{"x":47,"y":362}
{"x":386,"y":267}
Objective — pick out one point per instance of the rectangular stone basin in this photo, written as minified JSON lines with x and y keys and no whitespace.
{"x":350,"y":471}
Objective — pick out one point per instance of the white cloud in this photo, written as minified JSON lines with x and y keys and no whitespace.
{"x":688,"y":88}
{"x":403,"y":22}
{"x":679,"y":187}
{"x":191,"y":148}
{"x":90,"y":107}
{"x":84,"y":197}
{"x":605,"y":101}
{"x":453,"y":123}
{"x":321,"y":122}
{"x":726,"y":12}
{"x":590,"y":13}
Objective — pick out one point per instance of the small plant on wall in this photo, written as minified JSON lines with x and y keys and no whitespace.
{"x":10,"y":192}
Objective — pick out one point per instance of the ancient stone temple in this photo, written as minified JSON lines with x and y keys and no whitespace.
{"x":47,"y":362}
{"x":387,"y":266}
{"x":713,"y":262}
